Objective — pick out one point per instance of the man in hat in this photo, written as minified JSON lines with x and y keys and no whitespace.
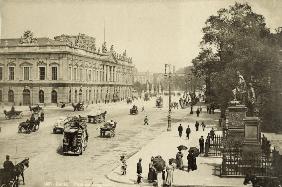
{"x":8,"y":169}
{"x":146,"y":121}
{"x":188,"y":131}
{"x":201,"y":143}
{"x":139,"y":171}
{"x":180,"y":129}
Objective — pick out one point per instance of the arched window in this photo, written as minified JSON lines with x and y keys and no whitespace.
{"x":70,"y":96}
{"x":54,"y":96}
{"x":90,"y":98}
{"x":75,"y":96}
{"x":80,"y":95}
{"x":10,"y":96}
{"x":41,"y":96}
{"x":26,"y":97}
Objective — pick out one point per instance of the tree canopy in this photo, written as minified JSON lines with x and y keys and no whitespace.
{"x":236,"y":39}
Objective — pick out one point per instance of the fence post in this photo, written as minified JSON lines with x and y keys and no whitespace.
{"x":207,"y":148}
{"x":223,"y":165}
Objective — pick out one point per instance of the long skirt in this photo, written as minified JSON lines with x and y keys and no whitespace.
{"x":152,"y":175}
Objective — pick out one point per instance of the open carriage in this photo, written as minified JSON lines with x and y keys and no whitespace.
{"x":108,"y":130}
{"x":29,"y":126}
{"x":98,"y":118}
{"x":78,"y":106}
{"x":13,"y":114}
{"x":133,"y":110}
{"x":75,"y":136}
{"x":159,"y":102}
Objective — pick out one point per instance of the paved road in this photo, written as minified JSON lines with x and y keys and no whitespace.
{"x":49,"y":168}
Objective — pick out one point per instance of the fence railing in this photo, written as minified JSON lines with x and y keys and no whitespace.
{"x":213,"y":145}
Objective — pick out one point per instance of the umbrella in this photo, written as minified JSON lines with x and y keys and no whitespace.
{"x":195,"y":150}
{"x":182,"y":147}
{"x":159,"y":163}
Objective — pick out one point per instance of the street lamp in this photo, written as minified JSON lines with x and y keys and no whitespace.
{"x":168,"y":75}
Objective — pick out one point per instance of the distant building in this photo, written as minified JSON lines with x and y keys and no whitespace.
{"x":65,"y":69}
{"x":143,"y":77}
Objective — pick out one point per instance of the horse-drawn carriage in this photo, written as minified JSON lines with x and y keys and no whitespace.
{"x":13,"y":114}
{"x":129,"y":100}
{"x":11,"y":179}
{"x":75,"y":136}
{"x":29,"y":126}
{"x":108,"y":129}
{"x":98,"y":118}
{"x":35,"y":109}
{"x":78,"y":106}
{"x":60,"y":125}
{"x":133,"y":110}
{"x":159,"y":102}
{"x":146,"y":97}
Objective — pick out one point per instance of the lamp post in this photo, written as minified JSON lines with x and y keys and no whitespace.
{"x":168,"y":75}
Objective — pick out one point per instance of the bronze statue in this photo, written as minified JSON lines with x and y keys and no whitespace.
{"x":240,"y":90}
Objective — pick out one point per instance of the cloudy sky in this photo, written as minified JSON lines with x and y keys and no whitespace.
{"x":154,"y":32}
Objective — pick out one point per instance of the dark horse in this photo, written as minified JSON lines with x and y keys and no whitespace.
{"x":262,"y":181}
{"x":19,"y":169}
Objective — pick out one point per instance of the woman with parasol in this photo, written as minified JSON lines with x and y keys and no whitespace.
{"x":191,"y":157}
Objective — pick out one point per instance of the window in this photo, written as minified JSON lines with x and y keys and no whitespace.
{"x":70,"y":73}
{"x":26,"y":73}
{"x":89,"y":76}
{"x":11,"y":73}
{"x":80,"y":74}
{"x":74,"y":73}
{"x":42,"y":73}
{"x":1,"y":73}
{"x":55,"y":73}
{"x":1,"y":96}
{"x":41,"y":96}
{"x":53,"y":96}
{"x":11,"y":96}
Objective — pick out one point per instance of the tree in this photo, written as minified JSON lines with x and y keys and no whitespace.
{"x":236,"y":39}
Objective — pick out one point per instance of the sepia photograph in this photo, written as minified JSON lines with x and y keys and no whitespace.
{"x":131,"y":93}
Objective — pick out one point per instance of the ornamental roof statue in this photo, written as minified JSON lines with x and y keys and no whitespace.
{"x":28,"y":38}
{"x":104,"y":47}
{"x":112,"y":48}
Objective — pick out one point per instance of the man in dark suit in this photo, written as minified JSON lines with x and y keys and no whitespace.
{"x":202,"y":143}
{"x":8,"y":169}
{"x":139,"y":171}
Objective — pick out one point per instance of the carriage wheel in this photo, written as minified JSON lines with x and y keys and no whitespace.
{"x":20,"y":130}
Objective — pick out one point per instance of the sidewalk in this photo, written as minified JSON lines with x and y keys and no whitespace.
{"x":166,"y":146}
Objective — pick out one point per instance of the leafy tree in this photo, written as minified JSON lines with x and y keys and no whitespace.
{"x":234,"y":39}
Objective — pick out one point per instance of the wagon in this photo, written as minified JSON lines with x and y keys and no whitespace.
{"x":98,"y":118}
{"x":28,"y":126}
{"x":75,"y":137}
{"x":108,"y":130}
{"x":13,"y":114}
{"x":78,"y":107}
{"x":133,"y":110}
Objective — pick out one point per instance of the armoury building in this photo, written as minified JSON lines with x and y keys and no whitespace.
{"x":65,"y":69}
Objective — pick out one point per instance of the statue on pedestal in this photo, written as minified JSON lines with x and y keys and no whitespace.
{"x":240,"y":90}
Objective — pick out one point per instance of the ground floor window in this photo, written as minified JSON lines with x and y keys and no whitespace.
{"x":53,"y":96}
{"x":75,"y":96}
{"x":70,"y":96}
{"x":41,"y":96}
{"x":80,"y":95}
{"x":1,"y":96}
{"x":10,"y":96}
{"x":26,"y":97}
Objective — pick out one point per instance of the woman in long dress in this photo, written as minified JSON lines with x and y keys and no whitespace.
{"x":169,"y":176}
{"x":152,"y":172}
{"x":179,"y":160}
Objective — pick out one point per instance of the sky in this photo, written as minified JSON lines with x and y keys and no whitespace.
{"x":154,"y":32}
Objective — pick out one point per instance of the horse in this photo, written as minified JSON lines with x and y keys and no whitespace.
{"x":19,"y":169}
{"x":261,"y":181}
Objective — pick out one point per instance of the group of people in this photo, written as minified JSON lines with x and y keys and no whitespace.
{"x":188,"y":130}
{"x":167,"y":173}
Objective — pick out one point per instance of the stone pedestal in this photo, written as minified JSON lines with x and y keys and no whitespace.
{"x":252,"y":135}
{"x":235,"y":124}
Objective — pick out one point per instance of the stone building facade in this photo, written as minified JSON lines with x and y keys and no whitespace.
{"x":65,"y":69}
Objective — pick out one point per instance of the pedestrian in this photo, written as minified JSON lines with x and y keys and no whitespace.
{"x":152,"y":175}
{"x":146,"y":121}
{"x":212,"y":134}
{"x":139,"y":171}
{"x":198,"y":112}
{"x":163,"y":177}
{"x":188,"y":131}
{"x":192,"y":162}
{"x":8,"y":169}
{"x":123,"y":165}
{"x":142,"y":109}
{"x":169,"y":173}
{"x":203,"y":125}
{"x":201,"y":143}
{"x":180,"y":130}
{"x":179,"y":161}
{"x":197,"y":125}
